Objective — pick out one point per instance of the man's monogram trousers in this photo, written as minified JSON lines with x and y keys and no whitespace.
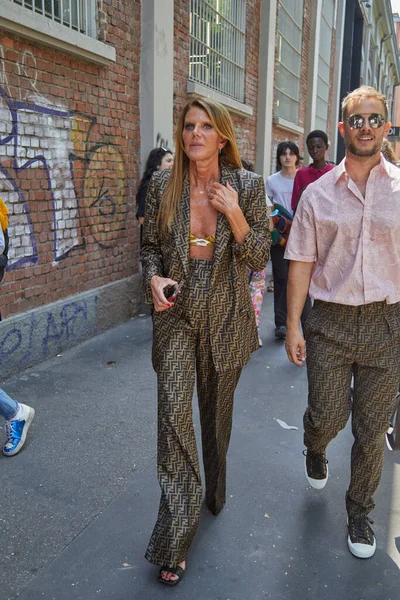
{"x":364,"y":342}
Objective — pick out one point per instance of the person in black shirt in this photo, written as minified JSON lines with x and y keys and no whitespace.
{"x":158,"y":160}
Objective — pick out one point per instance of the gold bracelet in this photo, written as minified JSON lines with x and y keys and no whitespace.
{"x":240,"y":228}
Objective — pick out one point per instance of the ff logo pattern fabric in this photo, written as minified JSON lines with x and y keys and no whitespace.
{"x":232,"y":340}
{"x":187,"y":355}
{"x":342,"y":341}
{"x":209,"y":333}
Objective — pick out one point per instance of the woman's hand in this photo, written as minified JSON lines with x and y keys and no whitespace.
{"x":224,"y":198}
{"x":226,"y":201}
{"x":158,"y":284}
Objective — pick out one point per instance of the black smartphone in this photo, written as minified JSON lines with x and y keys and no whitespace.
{"x":174,"y":291}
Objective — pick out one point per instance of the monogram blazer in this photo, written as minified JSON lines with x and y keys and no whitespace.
{"x":233,"y":330}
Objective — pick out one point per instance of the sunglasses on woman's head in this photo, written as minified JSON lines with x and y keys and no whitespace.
{"x":357,"y":121}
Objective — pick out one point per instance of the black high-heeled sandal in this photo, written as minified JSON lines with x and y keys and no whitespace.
{"x":175,"y":571}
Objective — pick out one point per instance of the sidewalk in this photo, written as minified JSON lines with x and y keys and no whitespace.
{"x":79,"y":502}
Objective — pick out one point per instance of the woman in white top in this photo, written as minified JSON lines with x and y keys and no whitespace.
{"x":280,"y":184}
{"x":279,"y":187}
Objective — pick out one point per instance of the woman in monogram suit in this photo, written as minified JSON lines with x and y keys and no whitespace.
{"x":205,"y":222}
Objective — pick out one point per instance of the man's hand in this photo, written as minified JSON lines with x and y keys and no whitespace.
{"x":295,"y":346}
{"x":158,"y":284}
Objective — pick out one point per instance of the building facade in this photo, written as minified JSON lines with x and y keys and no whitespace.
{"x":371,"y":50}
{"x":306,"y":70}
{"x":69,"y":164}
{"x":87,"y":89}
{"x":395,"y":137}
{"x":322,"y":50}
{"x":199,"y":48}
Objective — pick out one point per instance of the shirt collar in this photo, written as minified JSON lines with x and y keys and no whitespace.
{"x":340,"y":169}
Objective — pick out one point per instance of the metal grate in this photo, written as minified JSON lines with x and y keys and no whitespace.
{"x":75,"y":14}
{"x":288,"y":68}
{"x":218,"y":44}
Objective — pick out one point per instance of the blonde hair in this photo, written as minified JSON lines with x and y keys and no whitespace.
{"x":387,"y":151}
{"x":365,"y":91}
{"x":229,"y":157}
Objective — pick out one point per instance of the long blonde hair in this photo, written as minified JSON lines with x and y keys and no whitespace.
{"x":229,"y":157}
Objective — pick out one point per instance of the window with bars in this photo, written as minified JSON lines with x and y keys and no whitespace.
{"x":288,"y":68}
{"x":217,"y":45}
{"x":75,"y":14}
{"x":324,"y":60}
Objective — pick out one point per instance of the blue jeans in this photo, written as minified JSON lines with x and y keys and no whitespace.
{"x":8,"y":406}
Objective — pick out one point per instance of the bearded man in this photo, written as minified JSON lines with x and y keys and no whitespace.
{"x":344,"y":249}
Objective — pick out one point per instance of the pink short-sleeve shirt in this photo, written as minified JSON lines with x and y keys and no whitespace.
{"x":353,"y":241}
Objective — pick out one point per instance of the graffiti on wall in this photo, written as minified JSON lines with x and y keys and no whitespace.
{"x":45,"y":335}
{"x":51,"y":148}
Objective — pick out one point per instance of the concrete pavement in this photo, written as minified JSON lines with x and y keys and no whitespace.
{"x":79,"y":502}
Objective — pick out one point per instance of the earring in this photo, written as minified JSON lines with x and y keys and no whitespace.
{"x":220,"y":151}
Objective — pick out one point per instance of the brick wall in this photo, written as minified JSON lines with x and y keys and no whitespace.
{"x":245,"y":127}
{"x":69,"y":163}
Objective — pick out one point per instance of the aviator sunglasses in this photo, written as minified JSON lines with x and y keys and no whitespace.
{"x":357,"y":121}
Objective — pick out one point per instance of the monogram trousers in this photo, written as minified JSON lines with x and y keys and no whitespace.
{"x":364,"y":342}
{"x":186,"y":357}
